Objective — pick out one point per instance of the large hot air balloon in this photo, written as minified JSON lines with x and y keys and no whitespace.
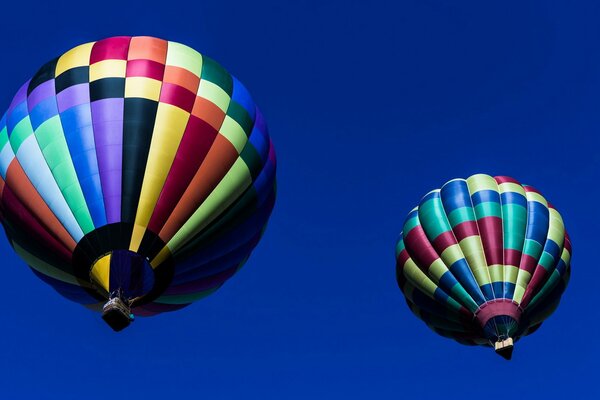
{"x":135,"y":172}
{"x":483,"y":260}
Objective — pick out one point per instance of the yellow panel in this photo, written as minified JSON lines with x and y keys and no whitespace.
{"x":496,"y":272}
{"x":234,"y":133}
{"x":473,"y":251}
{"x":532,"y":196}
{"x":76,"y":57}
{"x":511,"y":187}
{"x":214,"y":93}
{"x":415,"y":276}
{"x":518,"y":295}
{"x":510,"y":273}
{"x":184,"y":57}
{"x":482,"y":275}
{"x":108,"y":69}
{"x":169,"y":127}
{"x":100,"y":272}
{"x":556,"y":229}
{"x":160,"y":257}
{"x":146,"y":88}
{"x":481,"y":182}
{"x":136,"y":237}
{"x":437,"y":269}
{"x":452,"y":254}
{"x":523,"y":278}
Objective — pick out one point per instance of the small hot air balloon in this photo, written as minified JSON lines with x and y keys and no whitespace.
{"x":483,"y":261}
{"x":136,"y":173}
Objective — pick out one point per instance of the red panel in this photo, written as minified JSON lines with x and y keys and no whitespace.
{"x":505,"y":179}
{"x":218,"y":161}
{"x":402,"y":257}
{"x":465,"y":229}
{"x":490,"y":230}
{"x":115,"y":48}
{"x":537,"y":280}
{"x":495,"y":308}
{"x":145,"y":68}
{"x":177,"y":96}
{"x":532,"y":189}
{"x":443,"y":241}
{"x":419,"y":248}
{"x":528,"y":263}
{"x":512,"y":257}
{"x":19,"y":216}
{"x":195,"y":144}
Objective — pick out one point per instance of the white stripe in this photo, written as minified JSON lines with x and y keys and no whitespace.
{"x":6,"y":157}
{"x":34,"y":164}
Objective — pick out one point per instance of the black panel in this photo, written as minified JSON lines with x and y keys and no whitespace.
{"x":44,"y":74}
{"x":139,"y":116}
{"x":107,"y":88}
{"x":72,"y":77}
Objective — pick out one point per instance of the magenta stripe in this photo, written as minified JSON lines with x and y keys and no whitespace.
{"x":419,"y":248}
{"x":490,"y":230}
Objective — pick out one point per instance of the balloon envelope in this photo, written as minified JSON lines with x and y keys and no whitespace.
{"x":483,"y":260}
{"x":137,"y":167}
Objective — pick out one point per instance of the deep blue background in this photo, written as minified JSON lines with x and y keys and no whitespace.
{"x":370,"y":105}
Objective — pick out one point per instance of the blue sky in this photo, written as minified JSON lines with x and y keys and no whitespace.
{"x":370,"y":105}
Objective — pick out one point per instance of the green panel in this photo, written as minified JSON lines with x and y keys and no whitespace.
{"x":532,"y":248}
{"x":547,"y":261}
{"x":488,"y":209}
{"x":410,"y":224}
{"x":54,"y":147}
{"x":399,"y":247}
{"x":21,"y":132}
{"x":461,"y":215}
{"x":515,"y":221}
{"x":433,"y":218}
{"x":461,"y":294}
{"x":241,"y":116}
{"x":213,"y":72}
{"x":3,"y":137}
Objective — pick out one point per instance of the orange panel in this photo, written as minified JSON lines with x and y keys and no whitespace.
{"x":218,"y":161}
{"x":28,"y":195}
{"x":182,"y":77}
{"x":148,"y":48}
{"x":209,"y":112}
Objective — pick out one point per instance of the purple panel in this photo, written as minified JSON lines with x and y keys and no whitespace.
{"x":19,"y":97}
{"x":40,"y":93}
{"x":107,"y":117}
{"x":73,"y":96}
